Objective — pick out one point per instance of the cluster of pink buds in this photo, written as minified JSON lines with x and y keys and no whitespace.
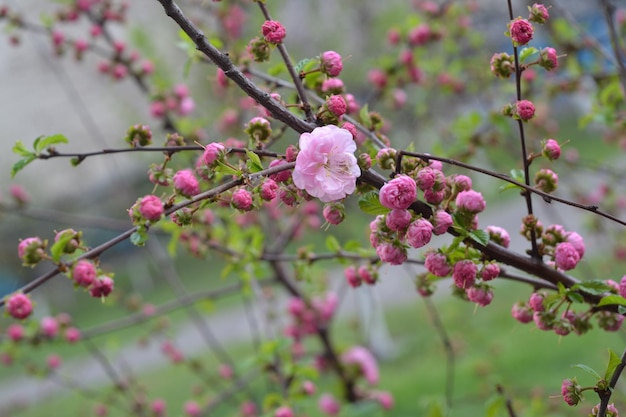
{"x":177,"y":101}
{"x":85,"y":274}
{"x":367,"y":274}
{"x":308,"y":317}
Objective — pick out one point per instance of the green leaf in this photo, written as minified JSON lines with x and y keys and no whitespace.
{"x":575,"y":297}
{"x":592,"y":287}
{"x":20,"y":149}
{"x":226,"y":169}
{"x":139,"y":238}
{"x":364,"y":115}
{"x":42,"y":143}
{"x":614,"y":362}
{"x":479,"y":236}
{"x":19,"y":165}
{"x":332,"y":244}
{"x":254,"y":162}
{"x":299,"y":67}
{"x":526,"y":53}
{"x":495,"y":406}
{"x":435,"y":410}
{"x":370,"y":204}
{"x":587,"y":369}
{"x":611,"y":300}
{"x":58,"y":248}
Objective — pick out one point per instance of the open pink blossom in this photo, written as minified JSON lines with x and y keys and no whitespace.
{"x":326,"y":166}
{"x":366,"y":362}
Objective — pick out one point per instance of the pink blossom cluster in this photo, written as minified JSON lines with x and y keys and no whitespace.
{"x":367,"y":274}
{"x":365,"y":363}
{"x":565,"y":248}
{"x":308,"y":317}
{"x":177,"y":101}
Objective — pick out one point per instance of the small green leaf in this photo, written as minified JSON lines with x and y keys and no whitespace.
{"x":526,"y":53}
{"x":20,"y":149}
{"x":364,"y":115}
{"x":139,"y":238}
{"x":42,"y":143}
{"x":332,"y":244}
{"x":75,"y":161}
{"x":614,"y":362}
{"x":370,"y":204}
{"x":479,"y":236}
{"x":254,"y":162}
{"x":19,"y":165}
{"x":58,"y":248}
{"x":225,"y":169}
{"x":612,"y":299}
{"x":575,"y":297}
{"x":592,"y":287}
{"x":587,"y":369}
{"x":299,"y":67}
{"x":495,"y":406}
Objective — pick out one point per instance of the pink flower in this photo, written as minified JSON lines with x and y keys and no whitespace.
{"x":326,"y":166}
{"x":268,"y":189}
{"x":480,"y":295}
{"x":420,"y":35}
{"x":333,"y":86}
{"x":399,"y":193}
{"x":49,"y":327}
{"x":72,"y":335}
{"x":19,"y":306}
{"x":392,"y":254}
{"x":242,"y":200}
{"x":464,"y":273}
{"x":368,"y":274}
{"x":577,"y":241}
{"x":273,"y":31}
{"x":84,"y":273}
{"x":384,"y":398}
{"x":283,"y":411}
{"x":185,"y":183}
{"x":622,"y":287}
{"x":536,"y":301}
{"x":192,"y":409}
{"x":352,"y":278}
{"x":546,"y":180}
{"x":282,"y":176}
{"x":15,"y":332}
{"x":366,"y":362}
{"x":53,"y":361}
{"x":378,"y":78}
{"x":566,"y":256}
{"x":502,"y":65}
{"x":434,"y":197}
{"x":334,"y":213}
{"x":442,"y":221}
{"x":329,"y":405}
{"x":151,"y":208}
{"x":525,"y":110}
{"x":248,"y":409}
{"x":490,"y":271}
{"x":101,"y":287}
{"x":522,"y":313}
{"x":158,"y":407}
{"x":31,"y":250}
{"x":186,"y":106}
{"x":538,"y":13}
{"x":470,"y":201}
{"x":398,"y":219}
{"x":419,"y":233}
{"x":337,"y":105}
{"x":499,"y":236}
{"x":571,"y":391}
{"x":521,"y":31}
{"x":437,"y":264}
{"x":548,"y":58}
{"x":19,"y":194}
{"x":331,"y":63}
{"x":551,"y":150}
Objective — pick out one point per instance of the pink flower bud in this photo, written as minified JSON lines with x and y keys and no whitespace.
{"x":378,"y":78}
{"x":548,"y":58}
{"x":571,"y":391}
{"x":502,"y":65}
{"x":365,"y":361}
{"x":333,"y":86}
{"x":490,"y":271}
{"x":352,"y":278}
{"x":151,"y":208}
{"x":499,"y":236}
{"x":31,"y":250}
{"x":464,"y":274}
{"x":334,"y":213}
{"x":72,"y":335}
{"x":101,"y":287}
{"x":331,"y":63}
{"x":19,"y":306}
{"x":538,"y":13}
{"x":19,"y":194}
{"x":15,"y":332}
{"x":49,"y":327}
{"x":524,"y":110}
{"x":546,"y":180}
{"x":185,"y":183}
{"x":470,"y":202}
{"x":442,"y":220}
{"x":551,"y":150}
{"x":391,"y":253}
{"x":242,"y":200}
{"x":481,"y":295}
{"x":53,"y":361}
{"x":419,"y":233}
{"x":521,"y":31}
{"x":437,"y":264}
{"x":329,"y":405}
{"x":521,"y":312}
{"x":398,"y":219}
{"x":368,"y":274}
{"x":283,"y":411}
{"x":384,"y":398}
{"x":192,"y":409}
{"x":158,"y":407}
{"x":273,"y":31}
{"x":336,"y":105}
{"x":268,"y":189}
{"x":399,"y":193}
{"x":566,"y":256}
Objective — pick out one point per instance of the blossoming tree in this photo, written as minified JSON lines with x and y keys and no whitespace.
{"x":303,"y":143}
